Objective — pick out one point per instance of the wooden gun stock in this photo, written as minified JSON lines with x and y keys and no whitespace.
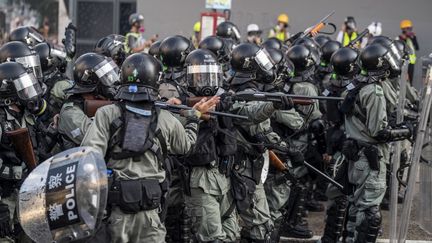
{"x":91,"y":106}
{"x":302,"y":101}
{"x":276,"y":162}
{"x":23,"y":146}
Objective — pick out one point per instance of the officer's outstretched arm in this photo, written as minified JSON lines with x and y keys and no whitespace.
{"x":256,"y":111}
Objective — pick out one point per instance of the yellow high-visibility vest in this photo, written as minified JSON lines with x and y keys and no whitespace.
{"x":347,"y":39}
{"x":412,"y":56}
{"x":279,"y":34}
{"x":126,"y":43}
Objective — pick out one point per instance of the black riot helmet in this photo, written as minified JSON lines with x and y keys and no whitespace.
{"x":283,"y":67}
{"x":307,"y":41}
{"x":203,"y":73}
{"x":322,"y":39}
{"x":17,"y":51}
{"x":328,"y":49}
{"x":18,"y":83}
{"x":390,"y":44}
{"x":242,"y":58}
{"x":272,"y":42}
{"x":27,"y":34}
{"x":303,"y":58}
{"x":228,"y":30}
{"x":174,"y":50}
{"x":95,"y":73}
{"x":345,"y":62}
{"x":50,"y":57}
{"x":112,"y":46}
{"x":154,"y":49}
{"x":378,"y":61}
{"x":140,"y":75}
{"x":249,"y":58}
{"x":217,"y":46}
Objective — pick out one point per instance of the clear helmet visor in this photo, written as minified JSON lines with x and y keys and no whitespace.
{"x":27,"y":86}
{"x":396,"y":52}
{"x":206,"y":75}
{"x":63,"y":198}
{"x":394,"y":64}
{"x":108,"y":72}
{"x":236,"y":32}
{"x":31,"y":64}
{"x":264,"y":60}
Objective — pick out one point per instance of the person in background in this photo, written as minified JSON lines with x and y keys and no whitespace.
{"x":375,"y":29}
{"x":134,"y":40}
{"x":410,"y":39}
{"x":280,"y":31}
{"x":254,"y":34}
{"x":196,"y":36}
{"x":348,"y":31}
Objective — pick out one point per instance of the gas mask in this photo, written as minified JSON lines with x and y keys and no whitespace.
{"x":205,"y":79}
{"x":30,"y":93}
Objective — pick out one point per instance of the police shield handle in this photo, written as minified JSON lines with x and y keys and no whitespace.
{"x":22,"y":144}
{"x":91,"y":106}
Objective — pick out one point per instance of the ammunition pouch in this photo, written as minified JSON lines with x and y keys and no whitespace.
{"x":243,"y":189}
{"x":133,"y":196}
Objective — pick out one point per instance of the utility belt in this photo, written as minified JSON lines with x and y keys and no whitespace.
{"x":256,"y":161}
{"x":352,"y":148}
{"x":133,"y":196}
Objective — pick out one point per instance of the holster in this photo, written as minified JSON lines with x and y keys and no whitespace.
{"x":243,"y":189}
{"x":372,"y":155}
{"x":133,"y":196}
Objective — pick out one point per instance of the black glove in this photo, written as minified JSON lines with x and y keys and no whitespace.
{"x":5,"y":226}
{"x":285,"y":103}
{"x":296,"y":157}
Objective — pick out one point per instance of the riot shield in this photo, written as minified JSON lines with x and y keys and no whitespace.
{"x":395,"y":163}
{"x":63,"y":199}
{"x":426,"y":102}
{"x":424,"y":217}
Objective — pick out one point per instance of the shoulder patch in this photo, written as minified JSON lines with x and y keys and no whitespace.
{"x":378,"y":90}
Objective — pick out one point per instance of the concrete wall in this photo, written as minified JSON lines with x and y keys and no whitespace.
{"x":168,"y":17}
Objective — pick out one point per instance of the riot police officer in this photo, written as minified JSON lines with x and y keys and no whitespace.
{"x":19,"y":144}
{"x":366,"y":148}
{"x":173,"y":51}
{"x":112,"y":46}
{"x":135,"y":152}
{"x":252,"y":68}
{"x":345,"y":68}
{"x":95,"y":79}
